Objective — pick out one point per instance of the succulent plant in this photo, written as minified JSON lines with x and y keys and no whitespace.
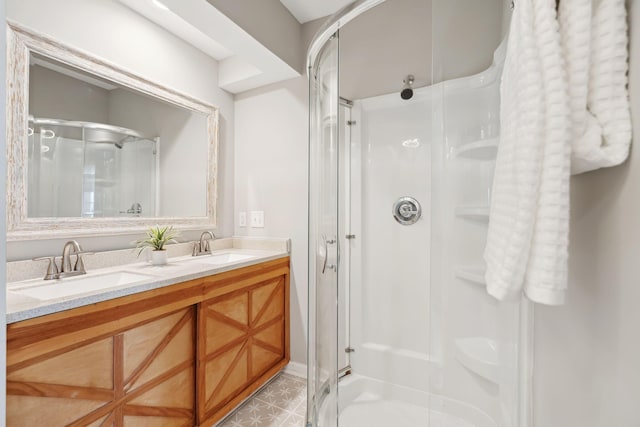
{"x":156,"y":237}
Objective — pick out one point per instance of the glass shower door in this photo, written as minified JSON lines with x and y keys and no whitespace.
{"x":322,"y":407}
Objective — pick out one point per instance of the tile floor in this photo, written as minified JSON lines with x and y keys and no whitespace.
{"x":281,"y":403}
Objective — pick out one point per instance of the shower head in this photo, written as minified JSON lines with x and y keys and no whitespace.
{"x":407,"y":90}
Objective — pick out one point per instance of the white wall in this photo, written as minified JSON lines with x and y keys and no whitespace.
{"x":110,"y":30}
{"x":587,"y":352}
{"x":271,"y":176}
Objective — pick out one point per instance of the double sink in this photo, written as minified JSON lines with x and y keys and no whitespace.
{"x":47,"y":290}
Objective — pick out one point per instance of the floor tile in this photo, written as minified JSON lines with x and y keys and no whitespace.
{"x":281,"y":403}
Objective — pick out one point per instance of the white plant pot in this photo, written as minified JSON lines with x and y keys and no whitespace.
{"x":159,"y":257}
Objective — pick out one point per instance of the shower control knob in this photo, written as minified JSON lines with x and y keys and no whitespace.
{"x":407,"y":210}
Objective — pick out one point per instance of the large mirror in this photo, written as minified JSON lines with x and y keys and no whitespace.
{"x":93,"y":149}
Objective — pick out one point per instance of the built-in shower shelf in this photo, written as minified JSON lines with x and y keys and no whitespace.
{"x":480,"y":356}
{"x":473,"y":213}
{"x":485,"y":149}
{"x":472,"y":274}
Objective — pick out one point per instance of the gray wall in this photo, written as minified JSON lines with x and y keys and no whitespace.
{"x":309,"y":30}
{"x":434,"y":41}
{"x":466,"y":32}
{"x":53,"y":95}
{"x":587,"y":352}
{"x":380,"y":47}
{"x":269,"y":22}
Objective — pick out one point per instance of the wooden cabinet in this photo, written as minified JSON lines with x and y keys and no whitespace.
{"x":154,"y":358}
{"x":243,"y":337}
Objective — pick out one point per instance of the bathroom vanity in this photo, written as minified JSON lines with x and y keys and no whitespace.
{"x":182,"y":354}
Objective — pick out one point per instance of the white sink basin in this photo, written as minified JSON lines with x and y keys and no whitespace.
{"x":218,"y":259}
{"x":53,"y":289}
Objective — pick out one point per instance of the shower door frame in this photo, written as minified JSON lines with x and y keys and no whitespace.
{"x":347,"y":235}
{"x":323,"y":255}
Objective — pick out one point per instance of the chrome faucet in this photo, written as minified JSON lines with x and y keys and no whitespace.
{"x":203,"y":247}
{"x":66,"y":269}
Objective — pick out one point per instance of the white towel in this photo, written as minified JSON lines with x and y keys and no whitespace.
{"x":594,"y":41}
{"x":529,"y":209}
{"x":563,"y":90}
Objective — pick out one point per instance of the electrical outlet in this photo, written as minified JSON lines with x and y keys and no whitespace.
{"x":257,"y":219}
{"x":242,"y":219}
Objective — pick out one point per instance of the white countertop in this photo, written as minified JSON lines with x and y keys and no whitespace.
{"x":179,"y":269}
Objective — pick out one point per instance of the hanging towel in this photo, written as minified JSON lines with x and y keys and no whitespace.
{"x":528,"y":228}
{"x":565,"y":109}
{"x":594,"y":42}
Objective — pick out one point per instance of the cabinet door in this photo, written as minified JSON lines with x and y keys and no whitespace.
{"x":143,"y":376}
{"x":242,"y":337}
{"x":155,"y":372}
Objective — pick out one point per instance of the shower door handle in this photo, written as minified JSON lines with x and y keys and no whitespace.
{"x":334,"y":241}
{"x":324,"y":251}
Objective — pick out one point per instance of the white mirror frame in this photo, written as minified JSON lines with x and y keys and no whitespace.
{"x":21,"y":42}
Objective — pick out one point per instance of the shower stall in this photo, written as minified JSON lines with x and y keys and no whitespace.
{"x":401,"y":330}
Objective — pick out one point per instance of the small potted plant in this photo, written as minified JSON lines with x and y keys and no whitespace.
{"x":155,"y":239}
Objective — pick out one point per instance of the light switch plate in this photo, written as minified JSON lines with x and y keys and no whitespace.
{"x":242,"y":219}
{"x":257,"y":219}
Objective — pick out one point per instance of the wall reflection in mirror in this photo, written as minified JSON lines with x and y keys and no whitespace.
{"x":99,"y":149}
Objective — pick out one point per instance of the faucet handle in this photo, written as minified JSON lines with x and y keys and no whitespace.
{"x":79,"y":265}
{"x":52,"y":268}
{"x":207,"y":242}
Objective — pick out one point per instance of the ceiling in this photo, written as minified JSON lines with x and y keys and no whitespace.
{"x":308,"y":10}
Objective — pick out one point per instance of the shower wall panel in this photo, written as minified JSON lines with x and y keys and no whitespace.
{"x":390,"y":282}
{"x":483,"y":338}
